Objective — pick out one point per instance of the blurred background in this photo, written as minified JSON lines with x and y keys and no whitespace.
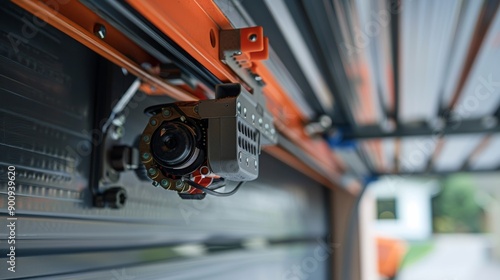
{"x":429,"y":228}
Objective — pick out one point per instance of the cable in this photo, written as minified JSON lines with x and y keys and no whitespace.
{"x":212,"y":192}
{"x":217,"y":184}
{"x":216,"y":187}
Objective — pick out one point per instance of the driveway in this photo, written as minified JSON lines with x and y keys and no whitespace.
{"x":455,"y":257}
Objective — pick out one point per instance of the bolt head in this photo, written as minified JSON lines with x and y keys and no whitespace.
{"x":146,"y":156}
{"x":164,"y":183}
{"x":153,"y":122}
{"x":152,"y":171}
{"x":146,"y":138}
{"x":118,"y":132}
{"x":252,"y":38}
{"x":100,"y":31}
{"x":115,"y":197}
{"x":179,"y":184}
{"x":167,"y":113}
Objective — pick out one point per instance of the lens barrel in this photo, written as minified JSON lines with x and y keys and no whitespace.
{"x":173,"y":144}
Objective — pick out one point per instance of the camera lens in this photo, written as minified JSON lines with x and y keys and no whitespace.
{"x":173,"y":144}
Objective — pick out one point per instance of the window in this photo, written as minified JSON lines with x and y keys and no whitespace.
{"x":386,"y":209}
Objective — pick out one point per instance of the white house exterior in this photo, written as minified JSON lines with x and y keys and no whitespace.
{"x":413,"y":209}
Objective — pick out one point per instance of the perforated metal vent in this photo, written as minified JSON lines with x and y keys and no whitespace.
{"x":247,"y":138}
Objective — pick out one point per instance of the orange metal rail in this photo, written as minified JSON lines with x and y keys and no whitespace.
{"x":193,"y":25}
{"x":115,"y":47}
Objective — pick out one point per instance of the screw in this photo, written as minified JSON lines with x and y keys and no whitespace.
{"x":117,"y":132}
{"x":155,"y":184}
{"x":145,"y":138}
{"x":164,"y":183}
{"x":115,"y":197}
{"x":253,"y":38}
{"x":119,"y":120}
{"x":100,"y":30}
{"x":179,"y":184}
{"x":166,"y":113}
{"x":152,"y":171}
{"x":237,"y":53}
{"x":153,"y":122}
{"x":257,"y":78}
{"x":145,"y":156}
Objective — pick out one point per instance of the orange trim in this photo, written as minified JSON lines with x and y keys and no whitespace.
{"x":87,"y":38}
{"x":397,"y":155}
{"x":479,"y":149}
{"x":294,"y":162}
{"x":187,"y":24}
{"x":86,"y":18}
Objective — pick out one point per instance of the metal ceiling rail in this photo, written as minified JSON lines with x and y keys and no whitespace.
{"x":485,"y":20}
{"x":472,"y":126}
{"x":431,"y":173}
{"x":478,"y":150}
{"x":395,"y":60}
{"x":117,"y":53}
{"x":459,"y":22}
{"x":79,"y":22}
{"x":437,"y":152}
{"x":497,"y":113}
{"x":325,"y":25}
{"x":397,"y":155}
